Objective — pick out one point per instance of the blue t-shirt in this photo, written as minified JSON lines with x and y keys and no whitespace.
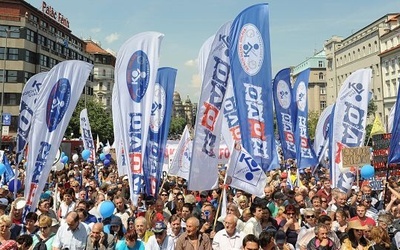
{"x":121,"y":245}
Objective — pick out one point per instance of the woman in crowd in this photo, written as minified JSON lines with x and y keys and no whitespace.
{"x":5,"y":225}
{"x":246,"y":215}
{"x":30,"y":224}
{"x":355,"y":236}
{"x":339,"y":226}
{"x":268,"y":221}
{"x":131,"y":223}
{"x":45,"y":209}
{"x":130,"y":242}
{"x":290,"y":225}
{"x":67,"y":204}
{"x":377,"y":242}
{"x":243,"y":203}
{"x":45,"y":235}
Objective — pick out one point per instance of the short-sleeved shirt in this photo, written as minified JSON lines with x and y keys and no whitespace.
{"x":121,"y":245}
{"x":66,"y":238}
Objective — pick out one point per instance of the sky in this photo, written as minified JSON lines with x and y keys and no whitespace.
{"x":298,"y":29}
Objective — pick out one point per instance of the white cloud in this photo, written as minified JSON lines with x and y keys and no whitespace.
{"x":112,"y":52}
{"x":95,"y":30}
{"x":196,"y":81}
{"x":191,"y":63}
{"x":112,"y":37}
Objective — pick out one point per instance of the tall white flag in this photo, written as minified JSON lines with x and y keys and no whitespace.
{"x":87,"y":137}
{"x":118,"y":131}
{"x":207,"y":135}
{"x":136,"y":71}
{"x":180,"y":164}
{"x":56,"y":102}
{"x":203,"y":56}
{"x":244,"y":173}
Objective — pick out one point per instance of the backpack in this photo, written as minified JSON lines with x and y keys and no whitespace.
{"x":41,"y":245}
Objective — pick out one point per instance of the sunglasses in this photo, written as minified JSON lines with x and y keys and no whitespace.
{"x":164,"y":194}
{"x":323,"y":200}
{"x":290,"y":213}
{"x":309,"y":216}
{"x":43,"y":228}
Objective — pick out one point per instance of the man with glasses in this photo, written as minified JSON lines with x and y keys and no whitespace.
{"x":230,"y":237}
{"x":160,"y":240}
{"x":73,"y":234}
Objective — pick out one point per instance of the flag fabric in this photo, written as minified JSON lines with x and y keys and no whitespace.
{"x":391,"y":118}
{"x":321,"y":140}
{"x":180,"y":164}
{"x":118,"y":130}
{"x":87,"y":137}
{"x":244,"y":173}
{"x":348,"y":124}
{"x":394,"y":152}
{"x":136,"y":71}
{"x":250,"y":56}
{"x":160,"y":118}
{"x":27,"y":108}
{"x":203,"y":56}
{"x":285,"y":112}
{"x":207,"y":134}
{"x":9,"y":173}
{"x":305,"y":154}
{"x":377,"y":127}
{"x":55,"y":104}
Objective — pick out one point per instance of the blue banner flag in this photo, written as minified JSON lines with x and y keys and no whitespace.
{"x":160,"y":118}
{"x":250,"y":57}
{"x":394,"y":152}
{"x":305,"y":154}
{"x":284,"y":110}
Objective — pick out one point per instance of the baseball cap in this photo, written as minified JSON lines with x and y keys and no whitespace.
{"x":125,"y":178}
{"x":115,"y":221}
{"x":280,"y":237}
{"x":3,"y":201}
{"x":159,"y":227}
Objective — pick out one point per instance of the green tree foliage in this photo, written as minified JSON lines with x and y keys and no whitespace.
{"x":176,"y":128}
{"x":100,"y":122}
{"x":313,"y":117}
{"x":371,"y":108}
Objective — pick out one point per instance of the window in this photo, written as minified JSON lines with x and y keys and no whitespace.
{"x":108,"y":102}
{"x":104,"y":72}
{"x":100,"y":85}
{"x":44,"y":60}
{"x":321,"y":76}
{"x":33,"y":18}
{"x":11,"y":76}
{"x":322,"y":105}
{"x":320,"y":64}
{"x":322,"y":90}
{"x":52,"y":62}
{"x":30,"y":35}
{"x":27,"y":75}
{"x":108,"y":86}
{"x":12,"y":54}
{"x":12,"y":99}
{"x":50,"y":44}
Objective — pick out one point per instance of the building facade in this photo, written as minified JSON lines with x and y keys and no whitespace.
{"x":103,"y":74}
{"x":32,"y":41}
{"x":317,"y":98}
{"x":357,"y":51}
{"x":184,"y":109}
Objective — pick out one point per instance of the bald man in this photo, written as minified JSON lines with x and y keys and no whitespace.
{"x":98,"y":239}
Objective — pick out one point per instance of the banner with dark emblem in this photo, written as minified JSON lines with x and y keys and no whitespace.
{"x":136,"y":71}
{"x":160,"y":119}
{"x":285,"y":117}
{"x":250,"y":57}
{"x":87,"y":137}
{"x":57,"y":99}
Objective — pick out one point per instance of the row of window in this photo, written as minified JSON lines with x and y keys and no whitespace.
{"x":357,"y":54}
{"x":15,"y":76}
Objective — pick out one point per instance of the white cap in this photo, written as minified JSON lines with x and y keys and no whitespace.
{"x":125,"y":178}
{"x":3,"y":201}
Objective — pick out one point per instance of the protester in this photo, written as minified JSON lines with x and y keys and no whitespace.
{"x":99,"y":240}
{"x":229,"y":237}
{"x":130,"y":242}
{"x":250,"y":242}
{"x":160,"y":240}
{"x":193,"y":239}
{"x":44,"y":236}
{"x":72,"y":234}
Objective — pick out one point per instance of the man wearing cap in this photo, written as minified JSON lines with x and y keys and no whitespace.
{"x":3,"y":206}
{"x":230,"y":237}
{"x":160,"y":240}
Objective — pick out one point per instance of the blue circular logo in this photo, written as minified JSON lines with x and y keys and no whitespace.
{"x":138,"y":75}
{"x":58,"y":103}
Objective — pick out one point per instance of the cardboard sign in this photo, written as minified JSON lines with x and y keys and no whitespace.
{"x":358,"y":156}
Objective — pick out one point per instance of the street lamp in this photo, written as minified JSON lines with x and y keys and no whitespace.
{"x":8,"y":31}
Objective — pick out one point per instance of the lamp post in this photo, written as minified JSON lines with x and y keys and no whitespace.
{"x":8,"y":31}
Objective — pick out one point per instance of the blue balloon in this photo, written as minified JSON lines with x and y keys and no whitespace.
{"x":367,"y":172}
{"x":2,"y":168}
{"x":11,"y":185}
{"x":106,"y":209}
{"x":106,"y":162}
{"x":65,"y":159}
{"x":85,"y":154}
{"x":102,"y":156}
{"x":108,"y":156}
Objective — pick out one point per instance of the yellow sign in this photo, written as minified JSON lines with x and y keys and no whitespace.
{"x":353,"y":157}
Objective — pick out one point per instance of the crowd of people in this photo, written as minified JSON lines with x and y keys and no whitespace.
{"x":298,"y":211}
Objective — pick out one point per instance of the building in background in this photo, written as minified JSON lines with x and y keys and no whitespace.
{"x":317,"y":99}
{"x":103,"y":74}
{"x":360,"y":50}
{"x":186,"y":109}
{"x":36,"y":40}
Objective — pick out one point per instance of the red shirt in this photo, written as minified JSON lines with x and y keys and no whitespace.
{"x":322,"y":193}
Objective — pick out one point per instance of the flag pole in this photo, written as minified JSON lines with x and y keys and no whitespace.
{"x":219,"y":206}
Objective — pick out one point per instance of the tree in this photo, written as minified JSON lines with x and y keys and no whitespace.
{"x":100,"y":122}
{"x":176,"y":128}
{"x":371,"y":108}
{"x":313,"y":118}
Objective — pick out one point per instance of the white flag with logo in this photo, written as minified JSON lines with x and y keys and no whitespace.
{"x":207,"y":134}
{"x":244,"y":173}
{"x":348,"y":123}
{"x":180,"y":164}
{"x":87,"y":137}
{"x":56,"y":102}
{"x":136,"y":71}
